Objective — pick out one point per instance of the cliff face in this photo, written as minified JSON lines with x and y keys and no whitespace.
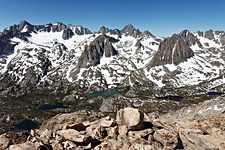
{"x":173,"y":50}
{"x":195,"y":127}
{"x":92,"y":54}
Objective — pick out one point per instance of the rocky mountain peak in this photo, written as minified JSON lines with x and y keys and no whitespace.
{"x":209,"y":34}
{"x":101,"y":46}
{"x":189,"y":38}
{"x":130,"y":30}
{"x":148,"y":34}
{"x":24,"y":23}
{"x":67,"y":34}
{"x":25,"y":27}
{"x":172,"y":50}
{"x":105,"y":30}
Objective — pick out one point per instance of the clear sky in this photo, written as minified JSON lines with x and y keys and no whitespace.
{"x":161,"y":17}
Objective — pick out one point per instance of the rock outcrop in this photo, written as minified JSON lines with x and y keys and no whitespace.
{"x":130,"y":30}
{"x":105,"y":30}
{"x":189,"y":38}
{"x":101,"y":46}
{"x":193,"y":127}
{"x":67,"y":34}
{"x":172,"y":50}
{"x":132,"y":118}
{"x":71,"y":131}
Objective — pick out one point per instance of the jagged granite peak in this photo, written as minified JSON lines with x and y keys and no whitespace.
{"x":148,"y":34}
{"x":6,"y":47}
{"x":172,"y":50}
{"x":209,"y":34}
{"x":67,"y":34}
{"x":130,"y":30}
{"x":222,"y":38}
{"x":58,"y":27}
{"x":189,"y":38}
{"x":25,"y":25}
{"x":92,"y":54}
{"x":79,"y":30}
{"x":216,"y":36}
{"x":105,"y":30}
{"x":12,"y":32}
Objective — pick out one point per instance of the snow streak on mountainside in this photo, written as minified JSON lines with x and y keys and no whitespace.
{"x":56,"y":56}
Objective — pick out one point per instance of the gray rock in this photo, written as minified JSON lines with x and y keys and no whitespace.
{"x":26,"y":146}
{"x":167,"y":137}
{"x":209,"y":35}
{"x":130,"y":30}
{"x":148,"y":34}
{"x":81,"y":30}
{"x":172,"y":50}
{"x":189,"y":38}
{"x":58,"y":27}
{"x":23,"y":23}
{"x":75,"y":136}
{"x":67,"y":34}
{"x":105,"y":30}
{"x":112,"y":104}
{"x":4,"y":141}
{"x":93,"y":53}
{"x":131,"y":117}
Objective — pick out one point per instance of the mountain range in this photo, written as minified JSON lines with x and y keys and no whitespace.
{"x":71,"y":59}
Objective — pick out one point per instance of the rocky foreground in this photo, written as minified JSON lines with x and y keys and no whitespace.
{"x":199,"y":126}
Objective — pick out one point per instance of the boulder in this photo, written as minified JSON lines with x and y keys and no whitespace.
{"x":122,"y":130}
{"x":26,"y":146}
{"x":131,"y":117}
{"x":168,"y":138}
{"x":62,"y":120}
{"x":75,"y":136}
{"x":100,"y":133}
{"x":57,"y":146}
{"x":76,"y":126}
{"x":112,"y":132}
{"x":69,"y":145}
{"x":140,"y":134}
{"x":107,"y":122}
{"x":46,"y":136}
{"x":4,"y":141}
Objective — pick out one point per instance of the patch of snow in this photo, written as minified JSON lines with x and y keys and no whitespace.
{"x":25,"y":29}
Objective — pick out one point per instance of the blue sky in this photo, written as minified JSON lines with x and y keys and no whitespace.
{"x":161,"y":17}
